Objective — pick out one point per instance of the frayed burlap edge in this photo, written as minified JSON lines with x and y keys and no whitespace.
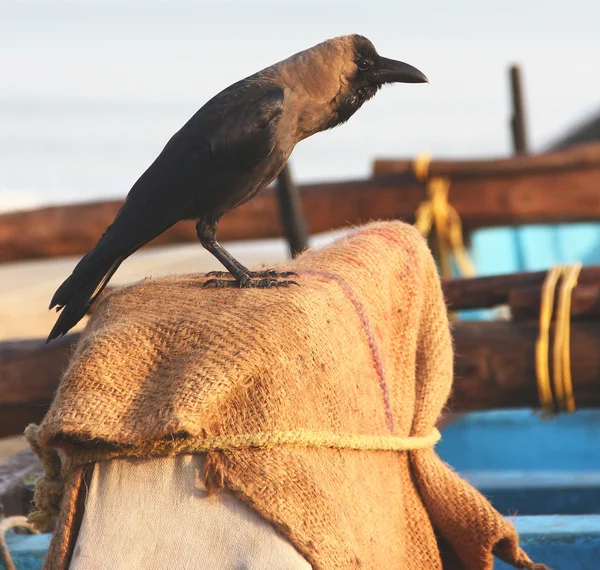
{"x":427,"y":468}
{"x":437,"y":484}
{"x":57,"y":498}
{"x":58,"y":494}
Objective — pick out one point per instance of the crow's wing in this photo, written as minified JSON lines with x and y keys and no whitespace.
{"x":232,"y":134}
{"x":229,"y":135}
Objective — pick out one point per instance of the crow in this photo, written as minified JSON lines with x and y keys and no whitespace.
{"x":231,"y":149}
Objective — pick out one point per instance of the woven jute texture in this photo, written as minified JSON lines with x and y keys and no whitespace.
{"x":361,"y":347}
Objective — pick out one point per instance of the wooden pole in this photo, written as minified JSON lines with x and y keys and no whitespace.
{"x":577,"y":158}
{"x":519,"y":190}
{"x":29,"y":375}
{"x":519,"y":137}
{"x":290,"y":211}
{"x":486,"y":292}
{"x":525,"y":303}
{"x":518,"y":127}
{"x":494,"y":368}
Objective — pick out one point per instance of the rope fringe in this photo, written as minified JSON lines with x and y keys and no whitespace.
{"x":48,"y":491}
{"x":438,"y":213}
{"x":563,"y":398}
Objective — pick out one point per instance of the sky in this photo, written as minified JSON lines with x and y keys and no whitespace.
{"x":90,"y":91}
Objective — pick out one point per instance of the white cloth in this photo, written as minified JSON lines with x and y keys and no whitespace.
{"x":152,"y":514}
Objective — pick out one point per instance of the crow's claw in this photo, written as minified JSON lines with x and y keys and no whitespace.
{"x":265,"y":274}
{"x":271,"y":273}
{"x":221,"y":283}
{"x":220,"y":274}
{"x":263,"y":283}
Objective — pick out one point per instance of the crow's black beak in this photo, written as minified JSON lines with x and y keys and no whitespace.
{"x":391,"y":71}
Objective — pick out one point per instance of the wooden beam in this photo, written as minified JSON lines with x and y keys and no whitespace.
{"x":578,"y":158}
{"x":525,"y":303}
{"x":494,"y":368}
{"x":29,"y":374}
{"x":486,"y":292}
{"x":520,"y":190}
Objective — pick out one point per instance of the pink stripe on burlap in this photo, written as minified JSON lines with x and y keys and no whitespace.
{"x":373,"y":348}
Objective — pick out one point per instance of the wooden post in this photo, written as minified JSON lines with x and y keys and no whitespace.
{"x":519,"y":135}
{"x":518,"y":127}
{"x":487,"y":292}
{"x":290,"y":210}
{"x":545,"y":188}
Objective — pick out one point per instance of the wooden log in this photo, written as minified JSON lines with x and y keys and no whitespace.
{"x":578,"y":158}
{"x":486,"y":292}
{"x":29,"y":375}
{"x":494,"y":368}
{"x":520,"y":190}
{"x":525,"y":303}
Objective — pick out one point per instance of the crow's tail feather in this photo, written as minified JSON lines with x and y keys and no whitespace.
{"x":76,"y":295}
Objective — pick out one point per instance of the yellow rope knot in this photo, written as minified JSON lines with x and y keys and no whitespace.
{"x":563,"y":399}
{"x":49,"y":488}
{"x":438,"y":213}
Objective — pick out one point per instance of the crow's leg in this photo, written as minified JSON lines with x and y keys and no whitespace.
{"x":257,"y":274}
{"x":206,"y":233}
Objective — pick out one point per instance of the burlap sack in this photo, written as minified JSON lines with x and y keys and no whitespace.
{"x":361,"y":347}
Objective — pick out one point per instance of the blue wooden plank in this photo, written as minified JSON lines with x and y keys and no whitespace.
{"x":561,"y":542}
{"x":539,"y":493}
{"x":521,"y":440}
{"x":28,"y":551}
{"x":535,"y":247}
{"x":531,"y":248}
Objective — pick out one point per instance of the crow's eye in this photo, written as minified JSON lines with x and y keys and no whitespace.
{"x":362,"y":64}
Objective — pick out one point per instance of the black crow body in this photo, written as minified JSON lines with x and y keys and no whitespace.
{"x":231,"y":149}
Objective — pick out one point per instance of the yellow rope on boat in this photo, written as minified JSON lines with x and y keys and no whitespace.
{"x":436,"y":212}
{"x":563,"y":398}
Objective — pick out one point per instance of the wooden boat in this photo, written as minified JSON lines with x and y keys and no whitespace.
{"x":542,"y":473}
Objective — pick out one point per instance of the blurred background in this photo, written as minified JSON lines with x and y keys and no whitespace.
{"x":91,"y":91}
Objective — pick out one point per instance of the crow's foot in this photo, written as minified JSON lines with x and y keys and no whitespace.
{"x":261,"y":283}
{"x":265,"y":274}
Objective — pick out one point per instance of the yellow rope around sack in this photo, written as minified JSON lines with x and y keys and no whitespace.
{"x":261,"y":440}
{"x":563,"y":399}
{"x":5,"y":525}
{"x":438,"y":213}
{"x":302,"y":438}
